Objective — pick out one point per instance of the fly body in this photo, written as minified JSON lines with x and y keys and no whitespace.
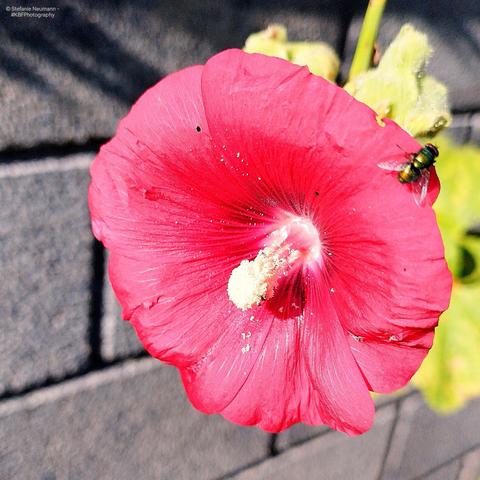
{"x":415,"y":171}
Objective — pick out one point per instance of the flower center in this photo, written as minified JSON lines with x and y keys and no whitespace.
{"x":294,"y":244}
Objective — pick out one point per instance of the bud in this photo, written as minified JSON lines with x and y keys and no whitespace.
{"x":400,"y":89}
{"x":319,"y":57}
{"x":271,"y":42}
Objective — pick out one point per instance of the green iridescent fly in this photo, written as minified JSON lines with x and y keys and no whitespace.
{"x":415,"y":171}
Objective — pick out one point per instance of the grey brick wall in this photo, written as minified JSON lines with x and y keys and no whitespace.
{"x":128,"y":421}
{"x":118,"y":338}
{"x":78,"y":400}
{"x":45,"y":259}
{"x":331,"y":455}
{"x":424,"y":441}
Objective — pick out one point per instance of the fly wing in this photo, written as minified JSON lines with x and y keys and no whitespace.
{"x":396,"y":165}
{"x":392,"y":165}
{"x":420,"y":187}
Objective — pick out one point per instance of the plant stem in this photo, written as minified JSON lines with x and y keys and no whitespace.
{"x":368,"y":34}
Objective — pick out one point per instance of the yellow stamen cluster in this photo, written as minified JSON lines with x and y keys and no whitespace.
{"x":254,"y":281}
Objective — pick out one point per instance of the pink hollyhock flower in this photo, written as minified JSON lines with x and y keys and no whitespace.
{"x":256,"y":245}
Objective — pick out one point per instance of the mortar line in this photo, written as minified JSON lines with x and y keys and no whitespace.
{"x":96,"y":304}
{"x":390,"y":439}
{"x":13,"y":154}
{"x":447,"y":462}
{"x":83,"y":370}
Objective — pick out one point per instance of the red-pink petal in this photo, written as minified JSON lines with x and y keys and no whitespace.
{"x":255,"y":103}
{"x":149,"y":203}
{"x":389,"y":365}
{"x":384,"y":250}
{"x":214,"y":381}
{"x":271,"y":396}
{"x":342,"y":399}
{"x":305,"y":373}
{"x":164,"y":322}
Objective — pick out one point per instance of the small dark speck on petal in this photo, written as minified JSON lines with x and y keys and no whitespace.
{"x":317,"y":194}
{"x":198,"y":128}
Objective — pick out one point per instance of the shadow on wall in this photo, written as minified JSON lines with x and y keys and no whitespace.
{"x":120,"y":48}
{"x":70,"y":78}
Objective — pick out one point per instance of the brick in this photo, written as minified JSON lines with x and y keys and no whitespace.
{"x":128,"y":421}
{"x":449,"y":471}
{"x":453,"y":29}
{"x":460,"y":129}
{"x":71,"y":78}
{"x":119,"y":339}
{"x":423,"y":440}
{"x":475,"y":126}
{"x":475,"y":140}
{"x":470,"y":466}
{"x":331,"y":456}
{"x":300,"y":433}
{"x":45,"y":260}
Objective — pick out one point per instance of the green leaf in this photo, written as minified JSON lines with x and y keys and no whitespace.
{"x":458,"y":168}
{"x":458,"y":205}
{"x":450,"y":375}
{"x":400,"y":89}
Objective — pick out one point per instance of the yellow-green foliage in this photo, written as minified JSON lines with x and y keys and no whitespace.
{"x":450,"y":374}
{"x":400,"y":89}
{"x":319,"y":57}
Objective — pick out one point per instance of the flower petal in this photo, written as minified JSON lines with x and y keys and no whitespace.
{"x":130,"y":185}
{"x":269,"y":98}
{"x":390,"y":276}
{"x":149,"y":204}
{"x":274,"y":391}
{"x":174,"y":324}
{"x":214,"y":381}
{"x":341,"y":398}
{"x":388,"y":366}
{"x":305,"y":372}
{"x":253,"y":101}
{"x":269,"y":118}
